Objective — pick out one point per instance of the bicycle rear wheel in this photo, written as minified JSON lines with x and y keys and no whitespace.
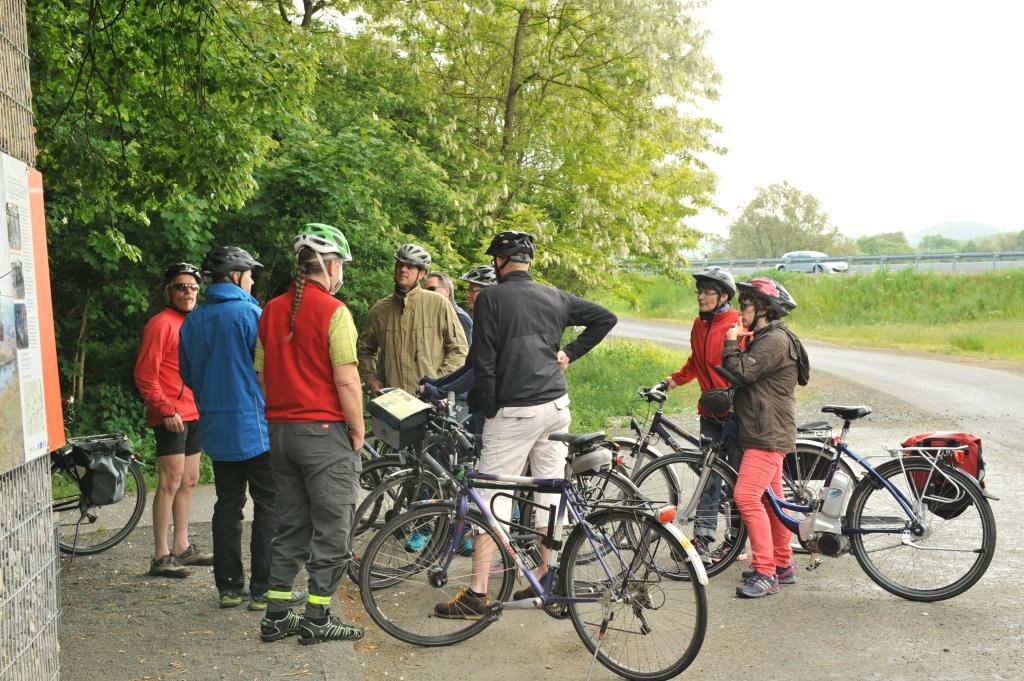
{"x":941,"y":559}
{"x":715,"y":518}
{"x":84,"y":528}
{"x":644,"y":622}
{"x":400,"y":588}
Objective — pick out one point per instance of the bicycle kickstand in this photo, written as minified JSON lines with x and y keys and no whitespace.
{"x":606,"y":617}
{"x":815,"y":562}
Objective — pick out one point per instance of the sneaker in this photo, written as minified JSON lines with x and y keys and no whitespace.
{"x":230,"y":599}
{"x":719,"y":554}
{"x":466,"y":548}
{"x":193,"y":556}
{"x":465,"y":606}
{"x":168,"y":566}
{"x":703,"y":546}
{"x":275,"y":630}
{"x":333,"y":629}
{"x":417,"y":542}
{"x":786,"y":575}
{"x":257,"y":603}
{"x":758,"y":585}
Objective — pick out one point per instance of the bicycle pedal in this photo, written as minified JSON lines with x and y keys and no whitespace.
{"x":493,"y":612}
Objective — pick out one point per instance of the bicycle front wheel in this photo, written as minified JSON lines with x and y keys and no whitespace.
{"x":389,"y":499}
{"x":400,"y":587}
{"x":84,"y":528}
{"x":715,"y":521}
{"x":643,"y":622}
{"x":943,"y":557}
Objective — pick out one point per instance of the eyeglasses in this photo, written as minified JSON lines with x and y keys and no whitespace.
{"x":744,"y":304}
{"x":707,"y":292}
{"x":434,"y":288}
{"x":185,"y":287}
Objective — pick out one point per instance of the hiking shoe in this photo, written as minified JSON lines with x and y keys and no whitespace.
{"x":417,"y":542}
{"x":758,"y":585}
{"x":466,"y":547}
{"x":333,"y":629}
{"x":257,"y":603}
{"x":193,"y":556}
{"x":465,"y":606}
{"x":168,"y":566}
{"x":785,"y":575}
{"x":523,"y":594}
{"x":719,"y":554}
{"x":230,"y":599}
{"x":703,"y":546}
{"x":275,"y":630}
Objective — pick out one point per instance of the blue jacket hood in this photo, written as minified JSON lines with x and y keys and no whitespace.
{"x":223,"y":292}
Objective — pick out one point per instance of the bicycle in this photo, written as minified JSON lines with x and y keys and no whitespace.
{"x":435,"y":470}
{"x":605,"y":576}
{"x":84,"y":526}
{"x":683,"y":477}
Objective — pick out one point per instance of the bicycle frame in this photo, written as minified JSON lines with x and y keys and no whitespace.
{"x":569,"y":503}
{"x":841,"y":449}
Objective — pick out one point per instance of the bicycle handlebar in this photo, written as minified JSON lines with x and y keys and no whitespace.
{"x":656,"y":393}
{"x":729,"y":376}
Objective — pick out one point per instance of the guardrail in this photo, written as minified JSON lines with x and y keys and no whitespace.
{"x":956,"y":262}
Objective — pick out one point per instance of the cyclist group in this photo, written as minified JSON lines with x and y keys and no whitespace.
{"x":274,"y":396}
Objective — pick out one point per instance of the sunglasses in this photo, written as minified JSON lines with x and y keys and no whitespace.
{"x":185,"y":287}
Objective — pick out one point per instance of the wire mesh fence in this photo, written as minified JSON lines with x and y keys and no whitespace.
{"x":16,"y":136}
{"x":28,"y":575}
{"x":29,"y":564}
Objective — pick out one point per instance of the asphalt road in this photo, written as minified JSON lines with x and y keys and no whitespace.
{"x":833,"y":624}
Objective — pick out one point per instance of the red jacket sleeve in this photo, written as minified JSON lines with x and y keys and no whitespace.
{"x":685,"y":374}
{"x":156,"y":339}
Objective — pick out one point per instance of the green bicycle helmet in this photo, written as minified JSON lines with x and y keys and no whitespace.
{"x":323,"y":238}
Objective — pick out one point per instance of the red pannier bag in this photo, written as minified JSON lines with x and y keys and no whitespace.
{"x":968,"y":460}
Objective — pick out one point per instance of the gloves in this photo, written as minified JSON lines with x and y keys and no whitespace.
{"x":429,"y":390}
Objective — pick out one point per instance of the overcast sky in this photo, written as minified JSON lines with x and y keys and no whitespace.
{"x":896,"y":114}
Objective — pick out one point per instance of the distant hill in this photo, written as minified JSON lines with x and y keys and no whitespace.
{"x":960,"y":230}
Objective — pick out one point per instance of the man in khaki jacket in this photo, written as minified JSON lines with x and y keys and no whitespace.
{"x":411,"y":333}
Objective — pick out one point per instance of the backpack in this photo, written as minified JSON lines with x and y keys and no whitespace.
{"x":803,"y":362}
{"x":106,"y":465}
{"x":968,"y":460}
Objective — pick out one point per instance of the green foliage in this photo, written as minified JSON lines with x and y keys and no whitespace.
{"x":936,"y":243}
{"x":603,"y":383}
{"x":168,"y":128}
{"x":884,"y":244}
{"x":978,"y":314}
{"x":781,"y":218}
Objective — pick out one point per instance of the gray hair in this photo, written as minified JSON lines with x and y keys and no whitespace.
{"x":446,"y":280}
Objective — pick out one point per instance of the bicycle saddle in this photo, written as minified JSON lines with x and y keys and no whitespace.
{"x":577,"y":439}
{"x":846,"y":413}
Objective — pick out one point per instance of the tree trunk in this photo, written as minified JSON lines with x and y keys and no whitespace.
{"x":83,"y":327}
{"x":514,"y":83}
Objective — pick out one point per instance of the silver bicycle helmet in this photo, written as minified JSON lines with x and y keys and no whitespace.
{"x":482,"y":276}
{"x":411,"y":254}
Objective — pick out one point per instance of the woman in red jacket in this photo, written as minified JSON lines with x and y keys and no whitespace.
{"x":715,"y":288}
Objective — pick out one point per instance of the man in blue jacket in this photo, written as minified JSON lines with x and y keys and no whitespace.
{"x":216,"y":361}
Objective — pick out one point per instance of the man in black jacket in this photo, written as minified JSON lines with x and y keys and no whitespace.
{"x":521,"y":389}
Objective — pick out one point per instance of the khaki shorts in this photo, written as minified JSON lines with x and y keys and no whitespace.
{"x":517,"y":436}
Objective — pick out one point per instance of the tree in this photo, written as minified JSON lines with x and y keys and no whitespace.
{"x":565,"y":118}
{"x":884,"y":244}
{"x":936,"y":243}
{"x":781,"y":218}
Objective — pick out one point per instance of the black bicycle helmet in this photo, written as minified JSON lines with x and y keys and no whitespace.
{"x":178,"y":268}
{"x":516,"y":246}
{"x":772,"y":293}
{"x":718,"y":279}
{"x":223,"y":260}
{"x":414,"y":255}
{"x":481,"y":276}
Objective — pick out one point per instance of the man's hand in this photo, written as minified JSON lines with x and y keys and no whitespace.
{"x":736,"y":331}
{"x":375,"y":386}
{"x":563,"y":359}
{"x":174,"y":423}
{"x":669,"y":384}
{"x":357,"y":434}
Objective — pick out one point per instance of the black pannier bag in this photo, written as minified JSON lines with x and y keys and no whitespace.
{"x":106,"y":465}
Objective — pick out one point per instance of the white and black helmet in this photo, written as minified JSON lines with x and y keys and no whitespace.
{"x":718,"y":279}
{"x":411,"y":254}
{"x":481,"y":276}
